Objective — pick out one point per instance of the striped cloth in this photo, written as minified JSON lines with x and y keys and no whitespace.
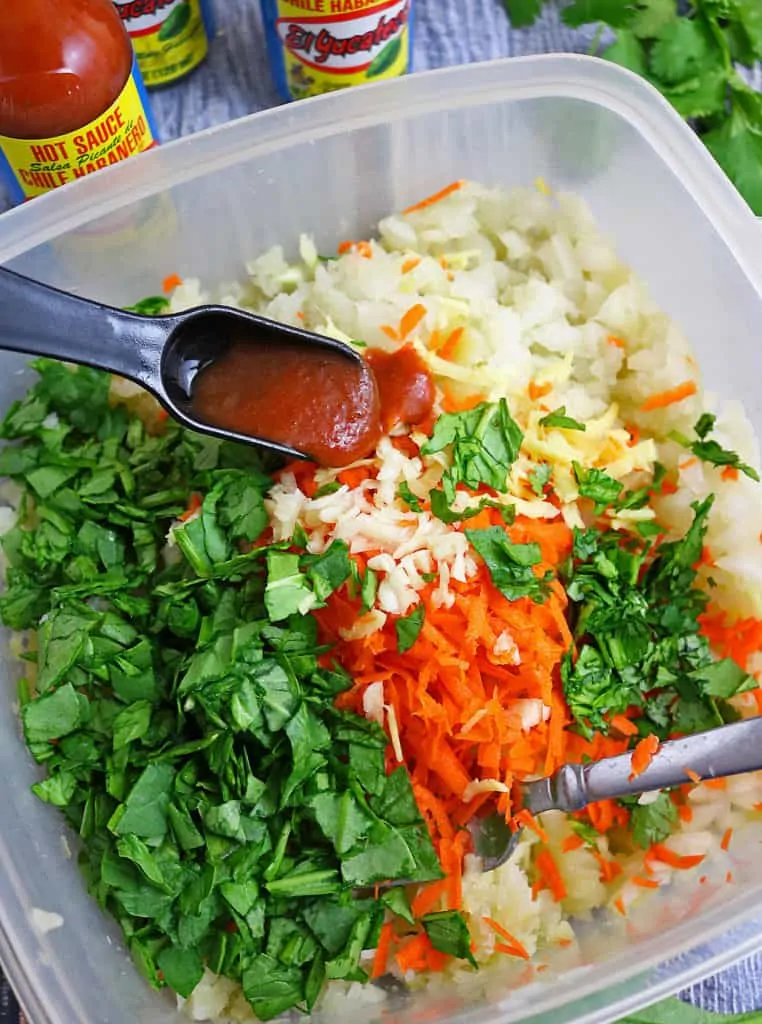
{"x":235,"y":80}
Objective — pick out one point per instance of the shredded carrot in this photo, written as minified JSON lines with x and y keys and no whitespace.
{"x":616,"y":342}
{"x":365,"y":250}
{"x":729,"y":473}
{"x":703,"y":880}
{"x":693,"y":776}
{"x":300,"y":314}
{"x":572,"y":843}
{"x":644,"y":883}
{"x":643,"y":754}
{"x":738,"y":639}
{"x":429,"y":896}
{"x":716,"y":783}
{"x":381,"y":956}
{"x":411,"y":319}
{"x":512,"y":944}
{"x":344,"y":247}
{"x":170,"y":282}
{"x":662,"y":853}
{"x":536,"y":391}
{"x":662,"y":399}
{"x":162,"y":415}
{"x":668,"y":487}
{"x":624,"y":725}
{"x":550,"y":875}
{"x":435,"y":198}
{"x":757,"y":807}
{"x":729,"y":877}
{"x":447,"y":351}
{"x":528,"y":820}
{"x":610,"y":869}
{"x":634,"y":433}
{"x":194,"y":505}
{"x":706,"y":557}
{"x":619,"y":904}
{"x":410,"y":264}
{"x":513,"y":950}
{"x":391,"y":332}
{"x":685,"y":813}
{"x":687,"y":463}
{"x":727,"y":836}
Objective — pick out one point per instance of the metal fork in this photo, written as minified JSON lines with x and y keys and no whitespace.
{"x":728,"y":750}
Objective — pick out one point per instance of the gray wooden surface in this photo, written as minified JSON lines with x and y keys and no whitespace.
{"x":235,"y":81}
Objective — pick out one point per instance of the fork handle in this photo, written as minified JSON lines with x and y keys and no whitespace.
{"x":729,"y":750}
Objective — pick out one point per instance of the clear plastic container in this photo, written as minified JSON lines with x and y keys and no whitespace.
{"x":333,"y":166}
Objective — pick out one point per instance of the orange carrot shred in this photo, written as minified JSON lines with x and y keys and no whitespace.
{"x":643,"y":754}
{"x":411,"y":319}
{"x":727,"y":836}
{"x":616,"y":342}
{"x":572,"y":843}
{"x":390,"y":332}
{"x":512,"y":944}
{"x":435,"y":198}
{"x":685,"y":813}
{"x":716,"y":783}
{"x":550,"y":875}
{"x":381,"y":956}
{"x":693,"y":776}
{"x":528,"y":820}
{"x":662,"y":853}
{"x":644,"y":883}
{"x":536,"y":391}
{"x":729,"y":877}
{"x":170,"y":282}
{"x":194,"y":505}
{"x":662,"y":399}
{"x":624,"y":725}
{"x":344,"y":247}
{"x":410,"y":264}
{"x":447,"y":351}
{"x":365,"y":250}
{"x":512,"y":950}
{"x":729,"y":473}
{"x":619,"y":904}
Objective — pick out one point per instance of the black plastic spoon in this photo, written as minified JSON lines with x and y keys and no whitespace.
{"x":164,"y":354}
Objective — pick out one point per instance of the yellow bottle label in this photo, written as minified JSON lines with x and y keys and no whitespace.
{"x":39,"y":165}
{"x":168,"y":36}
{"x":329,"y":44}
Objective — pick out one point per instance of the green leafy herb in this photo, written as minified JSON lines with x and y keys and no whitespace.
{"x":597,"y":486}
{"x":411,"y":500}
{"x":708,"y":450}
{"x":689,"y":52}
{"x":558,"y":418}
{"x":484,"y":444}
{"x":154,"y":305}
{"x":539,"y":478}
{"x":226,"y":808}
{"x":653,"y":822}
{"x":448,"y":932}
{"x":510,"y":565}
{"x":636,"y":623}
{"x":409,"y":627}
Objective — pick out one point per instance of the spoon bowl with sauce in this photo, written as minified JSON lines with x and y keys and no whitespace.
{"x":221,"y":371}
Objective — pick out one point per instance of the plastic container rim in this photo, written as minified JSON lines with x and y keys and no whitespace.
{"x":567,"y":75}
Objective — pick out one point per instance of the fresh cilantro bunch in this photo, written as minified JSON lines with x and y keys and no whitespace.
{"x":228,"y":812}
{"x":690,"y":54}
{"x":636,"y":623}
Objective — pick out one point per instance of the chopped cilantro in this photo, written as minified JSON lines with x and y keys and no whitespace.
{"x":558,"y":418}
{"x":409,"y":627}
{"x":539,"y":477}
